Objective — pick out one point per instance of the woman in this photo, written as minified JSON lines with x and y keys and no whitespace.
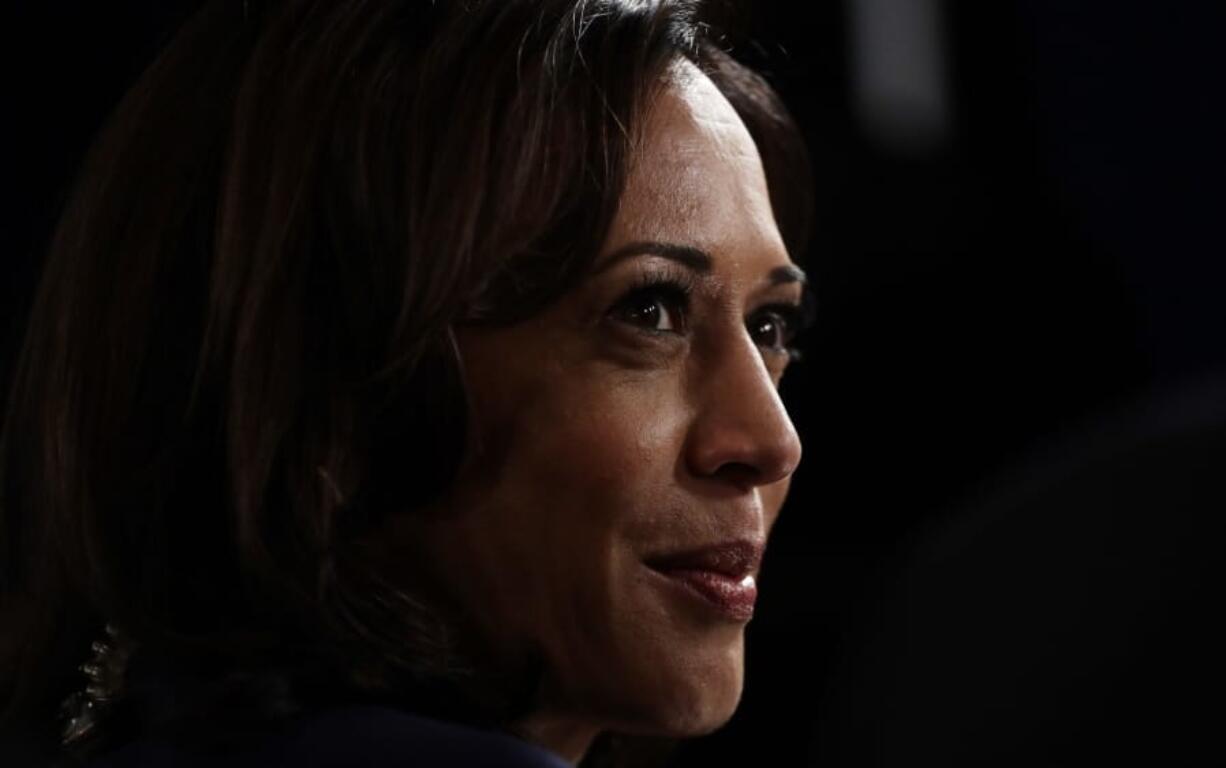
{"x":404,"y":377}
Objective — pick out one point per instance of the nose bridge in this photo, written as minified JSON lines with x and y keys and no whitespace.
{"x":741,"y":426}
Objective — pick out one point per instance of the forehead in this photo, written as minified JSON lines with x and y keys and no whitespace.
{"x":696,"y":175}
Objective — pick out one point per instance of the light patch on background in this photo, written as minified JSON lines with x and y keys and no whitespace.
{"x":898,"y":72}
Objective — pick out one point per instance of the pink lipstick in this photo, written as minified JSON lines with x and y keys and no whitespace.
{"x":721,"y":576}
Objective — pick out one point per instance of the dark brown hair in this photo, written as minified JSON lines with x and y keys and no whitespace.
{"x":239,"y":360}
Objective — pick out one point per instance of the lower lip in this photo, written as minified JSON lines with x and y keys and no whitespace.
{"x":732,"y":598}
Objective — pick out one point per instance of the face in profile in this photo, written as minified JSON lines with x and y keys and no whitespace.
{"x":629,"y":452}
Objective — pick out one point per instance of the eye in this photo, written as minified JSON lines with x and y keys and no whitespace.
{"x":776,"y":326}
{"x":657,"y":304}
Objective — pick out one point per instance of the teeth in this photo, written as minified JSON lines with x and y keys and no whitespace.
{"x":748,"y":581}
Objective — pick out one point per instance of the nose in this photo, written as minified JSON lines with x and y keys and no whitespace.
{"x":741,"y":432}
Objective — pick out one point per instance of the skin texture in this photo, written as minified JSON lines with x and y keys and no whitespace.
{"x":602,"y":434}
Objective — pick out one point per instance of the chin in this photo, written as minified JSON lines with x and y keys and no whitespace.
{"x":693,"y":705}
{"x":689,"y":721}
{"x":699,"y":723}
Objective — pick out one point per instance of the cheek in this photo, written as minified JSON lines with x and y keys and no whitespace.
{"x":573,"y":482}
{"x":606,"y":452}
{"x":580,"y":494}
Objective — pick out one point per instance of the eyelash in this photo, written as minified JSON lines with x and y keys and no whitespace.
{"x":673,"y":290}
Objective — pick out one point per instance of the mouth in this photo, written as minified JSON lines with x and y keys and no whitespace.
{"x":721,"y":578}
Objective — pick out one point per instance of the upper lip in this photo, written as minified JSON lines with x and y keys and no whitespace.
{"x":736,"y":559}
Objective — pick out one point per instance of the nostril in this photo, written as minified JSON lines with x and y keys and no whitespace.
{"x":740,"y":474}
{"x":768,"y":465}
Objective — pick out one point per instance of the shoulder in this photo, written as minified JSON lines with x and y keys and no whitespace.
{"x":354,"y":737}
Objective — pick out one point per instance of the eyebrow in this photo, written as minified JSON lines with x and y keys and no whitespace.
{"x":694,"y":258}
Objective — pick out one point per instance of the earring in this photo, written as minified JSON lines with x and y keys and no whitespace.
{"x":83,"y":710}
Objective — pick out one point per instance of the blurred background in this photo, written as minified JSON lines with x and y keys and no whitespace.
{"x":1004,"y":543}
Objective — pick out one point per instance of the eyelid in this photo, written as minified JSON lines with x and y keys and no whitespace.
{"x":784,"y":312}
{"x":798,"y":315}
{"x":664,"y":274}
{"x":673,"y":285}
{"x":804,"y":309}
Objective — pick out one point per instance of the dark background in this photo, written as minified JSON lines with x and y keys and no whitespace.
{"x":1000,"y":546}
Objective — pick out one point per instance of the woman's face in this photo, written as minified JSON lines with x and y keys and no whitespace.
{"x":635,"y":419}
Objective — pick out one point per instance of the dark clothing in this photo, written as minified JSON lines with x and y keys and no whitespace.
{"x":354,"y":737}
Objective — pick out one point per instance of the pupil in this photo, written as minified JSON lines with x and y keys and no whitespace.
{"x":648,"y":311}
{"x":767,"y":331}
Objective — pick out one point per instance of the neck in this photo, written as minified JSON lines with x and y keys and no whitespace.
{"x":567,"y":738}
